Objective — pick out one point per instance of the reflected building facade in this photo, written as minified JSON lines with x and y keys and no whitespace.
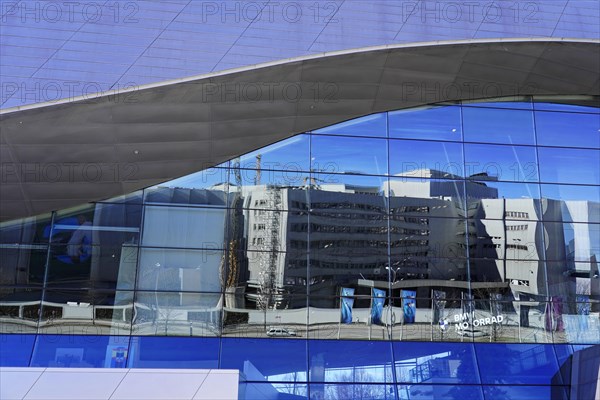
{"x":433,"y":225}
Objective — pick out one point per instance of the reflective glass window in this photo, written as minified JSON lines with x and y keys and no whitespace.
{"x":348,"y":155}
{"x":418,"y":363}
{"x":500,"y":200}
{"x":585,"y":104}
{"x":450,"y":392}
{"x":571,"y":193}
{"x":374,"y":125}
{"x":174,"y":352}
{"x":255,"y":390}
{"x":503,"y":163}
{"x":86,"y":312}
{"x":350,"y":314}
{"x":98,"y":224}
{"x":505,"y":239}
{"x":271,"y":190}
{"x":23,"y":250}
{"x":567,"y":129}
{"x":509,"y":102}
{"x":572,"y":241}
{"x":34,"y":230}
{"x":289,"y":154}
{"x":569,"y":166}
{"x":177,"y":314}
{"x":257,"y":359}
{"x":516,"y":363}
{"x":15,"y":350}
{"x":329,"y":361}
{"x":523,"y":392}
{"x":426,"y":198}
{"x":177,"y":196}
{"x":264,"y":312}
{"x":184,"y":227}
{"x":68,"y":351}
{"x":208,"y":179}
{"x":181,"y":269}
{"x":349,"y":390}
{"x":94,"y":266}
{"x":578,"y":324}
{"x":413,"y":238}
{"x":19,"y":309}
{"x":436,"y":123}
{"x":22,"y":264}
{"x":493,"y":125}
{"x":423,"y":159}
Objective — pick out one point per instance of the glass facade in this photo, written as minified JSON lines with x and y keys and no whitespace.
{"x":401,"y":243}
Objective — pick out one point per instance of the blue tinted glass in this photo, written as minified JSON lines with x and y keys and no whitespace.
{"x":439,"y":123}
{"x":15,"y":350}
{"x":254,"y":391}
{"x":569,"y":166}
{"x":516,"y":363}
{"x":563,"y":354}
{"x":68,"y":351}
{"x":349,"y":390}
{"x":583,"y":106}
{"x":511,"y":102}
{"x":569,"y":193}
{"x":571,"y":203}
{"x":503,"y":163}
{"x":289,"y":154}
{"x":435,"y":362}
{"x":448,"y":392}
{"x":330,"y":361}
{"x":498,"y":126}
{"x":173,"y":352}
{"x":567,"y":129}
{"x":349,"y":155}
{"x":277,"y":360}
{"x":424,"y":159}
{"x":371,"y":125}
{"x":524,"y":392}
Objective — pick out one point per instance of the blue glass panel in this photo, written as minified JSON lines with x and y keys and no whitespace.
{"x":516,"y":363}
{"x":587,"y":105}
{"x":352,"y":388}
{"x":371,"y":125}
{"x":424,"y":159}
{"x":568,"y":193}
{"x":567,"y":129}
{"x":349,"y":155}
{"x":563,"y":354}
{"x":173,"y":352}
{"x":498,"y":125}
{"x":257,"y":359}
{"x":70,"y":351}
{"x":435,"y":363}
{"x":338,"y":361}
{"x":524,"y":392}
{"x":289,"y":154}
{"x":569,"y":166}
{"x":438,"y":123}
{"x":503,"y":163}
{"x":272,"y":391}
{"x":15,"y":350}
{"x":448,"y":392}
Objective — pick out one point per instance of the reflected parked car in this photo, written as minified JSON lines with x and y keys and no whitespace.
{"x":278,"y":331}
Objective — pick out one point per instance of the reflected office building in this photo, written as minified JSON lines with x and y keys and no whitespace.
{"x":381,"y":238}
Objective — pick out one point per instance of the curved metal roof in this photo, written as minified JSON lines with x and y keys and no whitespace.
{"x":57,"y":155}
